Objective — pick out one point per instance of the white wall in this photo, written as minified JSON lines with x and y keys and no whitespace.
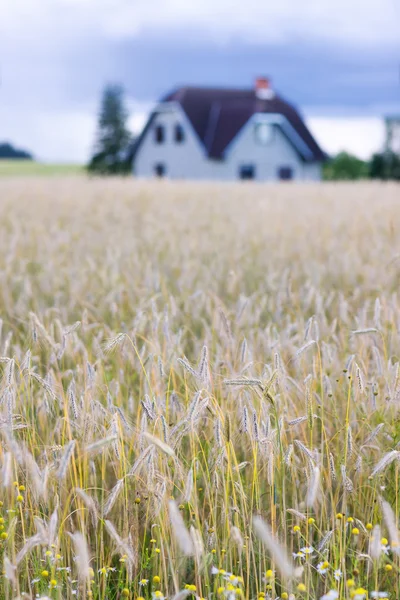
{"x":188,"y":160}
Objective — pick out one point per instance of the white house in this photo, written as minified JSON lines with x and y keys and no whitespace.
{"x":227,"y":134}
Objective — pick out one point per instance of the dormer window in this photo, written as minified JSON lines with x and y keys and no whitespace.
{"x":159,"y":134}
{"x":179,"y":133}
{"x":264,"y":133}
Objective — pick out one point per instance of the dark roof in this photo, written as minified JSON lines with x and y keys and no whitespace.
{"x":217,"y":115}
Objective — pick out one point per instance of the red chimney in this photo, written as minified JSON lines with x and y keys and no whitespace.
{"x":263,"y":88}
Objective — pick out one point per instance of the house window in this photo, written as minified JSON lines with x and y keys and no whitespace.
{"x":247,"y":172}
{"x":285,"y":173}
{"x":160,"y":170}
{"x":159,"y":134}
{"x":179,"y":134}
{"x":264,"y":133}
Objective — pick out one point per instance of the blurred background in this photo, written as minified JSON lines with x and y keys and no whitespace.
{"x":338,"y":62}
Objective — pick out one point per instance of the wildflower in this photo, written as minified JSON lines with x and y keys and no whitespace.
{"x":125,"y":593}
{"x":21,"y":488}
{"x":153,"y":541}
{"x":298,"y":554}
{"x":269,"y":574}
{"x":143,"y":582}
{"x":339,"y":516}
{"x":369,"y":526}
{"x":156,"y":579}
{"x":301,"y":587}
{"x":331,"y":595}
{"x":296,"y":529}
{"x":355,"y":531}
{"x":139,"y":598}
{"x":350,"y":583}
{"x":137,"y":500}
{"x":44,"y":573}
{"x":307,"y":550}
{"x":322,"y":567}
{"x":159,"y":595}
{"x":379,"y":595}
{"x":20,"y":498}
{"x":53,"y":583}
{"x":358,"y":594}
{"x":213,"y":551}
{"x":261,"y":594}
{"x":15,"y":483}
{"x":103,"y":571}
{"x":220,"y":590}
{"x":1,"y":521}
{"x":284,"y":596}
{"x":216,"y":571}
{"x":388,"y":568}
{"x":238,"y":591}
{"x":157,"y":550}
{"x":311,"y":521}
{"x":337,"y":574}
{"x":4,"y":535}
{"x":350,"y":520}
{"x":48,"y":553}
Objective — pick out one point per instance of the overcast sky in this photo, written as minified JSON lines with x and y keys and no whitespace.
{"x":338,"y":61}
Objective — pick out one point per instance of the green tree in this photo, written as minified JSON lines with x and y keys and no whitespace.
{"x":113,"y":138}
{"x":385,"y":166}
{"x":345,"y":166}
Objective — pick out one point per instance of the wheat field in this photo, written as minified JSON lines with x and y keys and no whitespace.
{"x":200,"y":390}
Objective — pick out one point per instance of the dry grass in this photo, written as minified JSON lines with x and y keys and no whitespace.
{"x":233,"y":348}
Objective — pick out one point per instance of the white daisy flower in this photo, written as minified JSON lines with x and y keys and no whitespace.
{"x":337,"y":574}
{"x":379,"y":595}
{"x":298,"y":554}
{"x":307,"y":550}
{"x":331,"y":595}
{"x":385,"y":549}
{"x":143,"y":581}
{"x":322,"y":568}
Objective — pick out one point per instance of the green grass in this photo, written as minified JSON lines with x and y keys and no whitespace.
{"x":28,"y":167}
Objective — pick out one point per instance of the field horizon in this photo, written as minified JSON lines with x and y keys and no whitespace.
{"x":200,"y":390}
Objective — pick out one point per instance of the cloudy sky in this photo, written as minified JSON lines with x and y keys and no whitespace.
{"x":338,"y":60}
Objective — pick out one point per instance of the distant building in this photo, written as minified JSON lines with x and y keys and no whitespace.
{"x":227,"y":134}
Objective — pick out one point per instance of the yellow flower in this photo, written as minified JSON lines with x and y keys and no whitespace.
{"x":384,"y":541}
{"x":350,"y":583}
{"x":268,"y":587}
{"x":355,"y":531}
{"x":48,"y":553}
{"x":238,"y":592}
{"x":158,"y":550}
{"x":213,"y":551}
{"x":311,"y":521}
{"x":192,"y":587}
{"x":139,"y":598}
{"x":20,"y":498}
{"x":103,"y":571}
{"x":269,"y":574}
{"x":137,"y":500}
{"x":284,"y":595}
{"x":53,"y":582}
{"x":21,"y":488}
{"x":350,"y":519}
{"x":220,"y":590}
{"x":125,"y":593}
{"x":153,"y":541}
{"x":325,"y":564}
{"x":296,"y":528}
{"x":369,"y":526}
{"x":339,"y":516}
{"x":16,"y":483}
{"x":158,"y":594}
{"x":4,"y":535}
{"x":388,"y":568}
{"x":301,"y":587}
{"x":156,"y":579}
{"x":261,"y":594}
{"x":1,"y":520}
{"x":44,"y":573}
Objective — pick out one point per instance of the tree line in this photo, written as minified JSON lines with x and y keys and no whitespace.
{"x":346,"y":167}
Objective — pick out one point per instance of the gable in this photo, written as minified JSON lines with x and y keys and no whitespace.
{"x":216,"y":117}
